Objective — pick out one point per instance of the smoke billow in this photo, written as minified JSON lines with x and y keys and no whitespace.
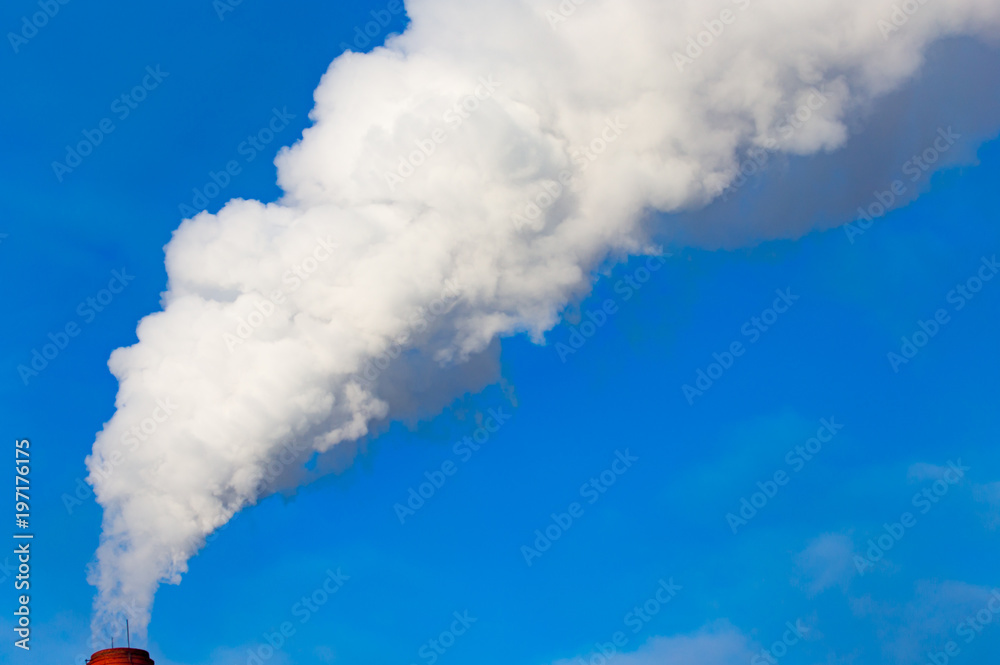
{"x":458,"y":185}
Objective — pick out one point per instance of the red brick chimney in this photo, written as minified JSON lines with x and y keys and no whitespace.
{"x":121,"y":657}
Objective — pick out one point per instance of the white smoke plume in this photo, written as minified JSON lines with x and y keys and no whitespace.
{"x":458,"y":185}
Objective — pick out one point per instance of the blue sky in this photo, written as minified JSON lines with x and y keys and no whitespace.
{"x":620,"y":395}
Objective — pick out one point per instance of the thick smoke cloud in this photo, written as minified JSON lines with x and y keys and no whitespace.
{"x":459,"y":185}
{"x":779,"y":195}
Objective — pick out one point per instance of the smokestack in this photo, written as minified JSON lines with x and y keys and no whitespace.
{"x":121,"y":656}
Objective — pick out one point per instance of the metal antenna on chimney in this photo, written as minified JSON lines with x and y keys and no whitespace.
{"x":128,"y":636}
